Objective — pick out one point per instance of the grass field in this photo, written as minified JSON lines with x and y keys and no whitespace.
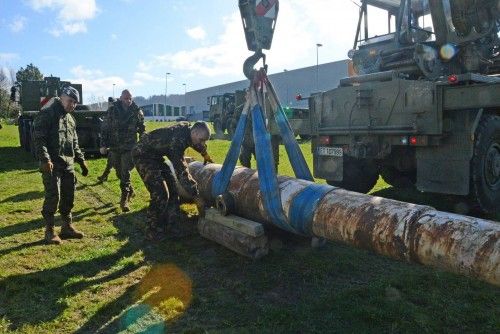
{"x":113,"y":281}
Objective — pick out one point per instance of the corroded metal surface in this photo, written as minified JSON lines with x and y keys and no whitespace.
{"x":404,"y":231}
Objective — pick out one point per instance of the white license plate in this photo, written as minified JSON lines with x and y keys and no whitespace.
{"x":330,"y":151}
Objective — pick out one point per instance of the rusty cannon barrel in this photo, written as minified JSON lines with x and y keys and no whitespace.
{"x":404,"y":231}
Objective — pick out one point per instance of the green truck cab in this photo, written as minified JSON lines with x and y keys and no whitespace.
{"x":422,"y":105}
{"x":32,"y":95}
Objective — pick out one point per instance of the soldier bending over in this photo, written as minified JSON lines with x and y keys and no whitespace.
{"x":164,"y":210}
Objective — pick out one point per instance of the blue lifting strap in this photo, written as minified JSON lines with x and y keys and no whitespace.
{"x":222,"y":178}
{"x":295,"y":155}
{"x":268,"y":181}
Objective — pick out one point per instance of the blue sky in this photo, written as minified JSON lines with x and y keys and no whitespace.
{"x":133,"y":43}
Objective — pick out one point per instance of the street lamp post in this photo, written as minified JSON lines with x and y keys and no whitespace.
{"x":166,"y":92}
{"x":113,"y":90}
{"x":318,"y":45}
{"x":286,"y":80}
{"x":185,"y":106}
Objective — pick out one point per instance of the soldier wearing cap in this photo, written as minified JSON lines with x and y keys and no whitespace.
{"x":171,"y":142}
{"x":56,"y":144}
{"x":124,"y":121}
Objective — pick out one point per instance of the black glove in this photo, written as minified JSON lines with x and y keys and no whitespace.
{"x":85,"y":169}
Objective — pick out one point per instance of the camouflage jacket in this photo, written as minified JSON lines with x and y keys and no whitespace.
{"x":122,"y":126}
{"x":171,"y":142}
{"x":55,"y":136}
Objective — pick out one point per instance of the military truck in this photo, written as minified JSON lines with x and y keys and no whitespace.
{"x":225,"y":111}
{"x":422,"y":105}
{"x":222,"y":113}
{"x":32,"y":95}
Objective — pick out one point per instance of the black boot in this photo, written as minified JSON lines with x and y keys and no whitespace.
{"x":50,"y":236}
{"x":68,"y":231}
{"x":124,"y":201}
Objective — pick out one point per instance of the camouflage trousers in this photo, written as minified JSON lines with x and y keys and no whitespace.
{"x":248,"y":149}
{"x":109,"y":165}
{"x":123,"y":163}
{"x":164,"y":200}
{"x":59,"y":191}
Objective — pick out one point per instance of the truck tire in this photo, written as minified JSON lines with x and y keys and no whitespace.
{"x":397,"y":178}
{"x":32,"y":141}
{"x":359,"y":175}
{"x":485,"y":165}
{"x":219,"y":132}
{"x":20,"y":130}
{"x":27,"y":135}
{"x":231,"y":127}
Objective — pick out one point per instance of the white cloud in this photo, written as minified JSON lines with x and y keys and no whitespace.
{"x":114,"y":37}
{"x":144,"y":76}
{"x":53,"y":58}
{"x":80,"y":71}
{"x":72,"y":14}
{"x":6,"y":57}
{"x":197,"y":33}
{"x":95,"y":83}
{"x":224,"y":57}
{"x":17,"y":24}
{"x":300,"y":25}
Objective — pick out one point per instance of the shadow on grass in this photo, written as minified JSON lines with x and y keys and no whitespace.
{"x":38,"y":223}
{"x":15,"y":158}
{"x":196,"y":285}
{"x":43,"y":293}
{"x":28,"y":196}
{"x":21,"y":247}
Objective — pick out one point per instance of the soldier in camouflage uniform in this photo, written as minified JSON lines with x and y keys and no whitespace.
{"x":123,"y":122}
{"x":109,"y":162}
{"x":248,"y":147}
{"x":164,"y":211}
{"x":57,"y":149}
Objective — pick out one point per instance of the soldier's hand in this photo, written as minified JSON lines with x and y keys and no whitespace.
{"x":103,"y":150}
{"x":207,"y":159}
{"x":85,"y":169}
{"x":47,"y":167}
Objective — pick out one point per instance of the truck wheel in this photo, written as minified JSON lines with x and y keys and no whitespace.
{"x":27,"y":135}
{"x":218,"y":128}
{"x":231,"y":127}
{"x":20,"y":130}
{"x":485,"y":165}
{"x":397,"y":178}
{"x":359,"y":176}
{"x":32,"y":142}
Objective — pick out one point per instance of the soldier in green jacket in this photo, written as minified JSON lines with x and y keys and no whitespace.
{"x":124,"y":121}
{"x":56,"y":144}
{"x":171,"y":142}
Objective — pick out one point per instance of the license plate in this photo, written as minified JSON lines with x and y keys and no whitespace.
{"x":330,"y":151}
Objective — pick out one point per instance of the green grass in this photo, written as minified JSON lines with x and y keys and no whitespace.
{"x":113,"y":281}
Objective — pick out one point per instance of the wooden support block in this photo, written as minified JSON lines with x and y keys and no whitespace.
{"x":243,"y":225}
{"x":237,"y":241}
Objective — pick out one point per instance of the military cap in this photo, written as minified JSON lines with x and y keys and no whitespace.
{"x":71,"y":92}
